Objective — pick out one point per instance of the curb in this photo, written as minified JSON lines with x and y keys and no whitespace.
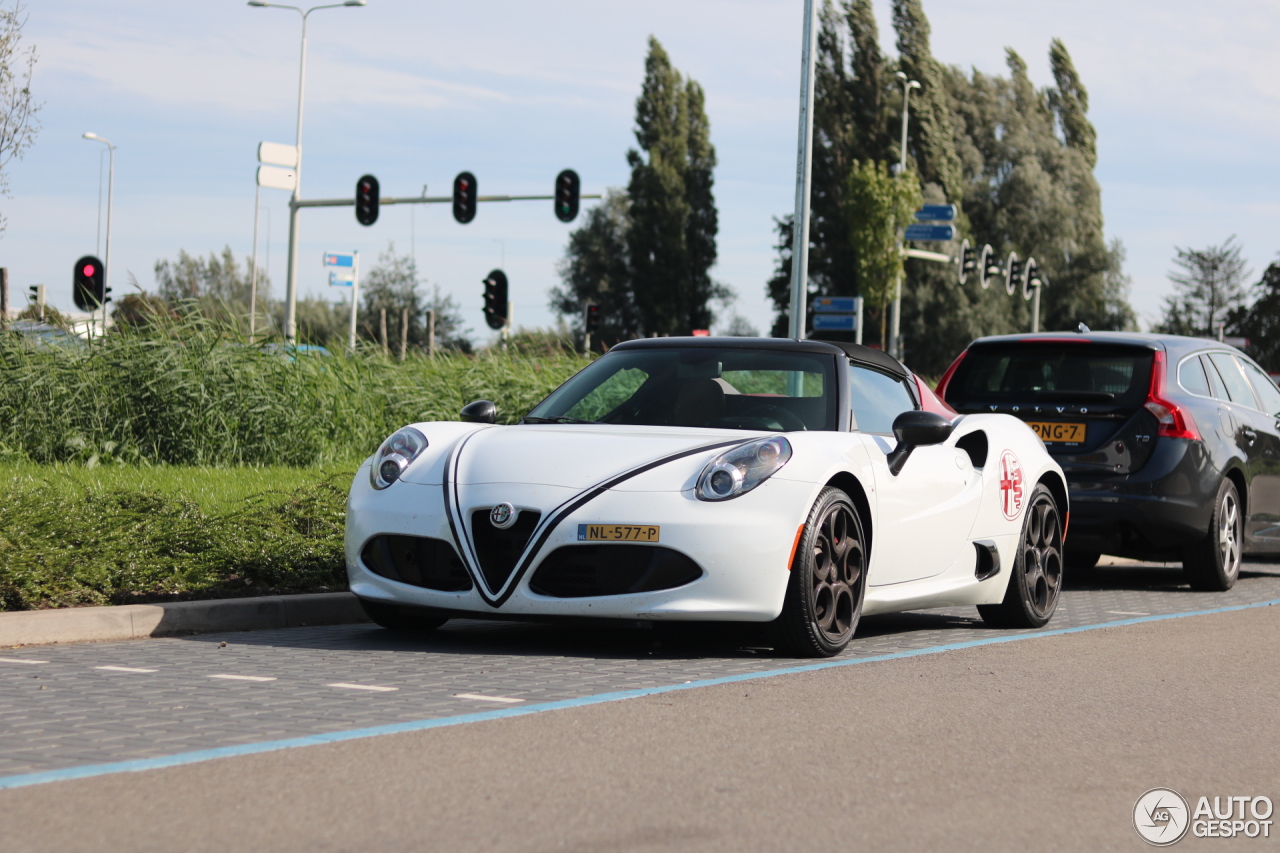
{"x":137,"y":621}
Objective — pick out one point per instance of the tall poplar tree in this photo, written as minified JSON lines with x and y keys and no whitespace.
{"x":672,"y":236}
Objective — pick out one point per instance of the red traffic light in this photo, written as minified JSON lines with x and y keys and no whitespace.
{"x":88,"y":270}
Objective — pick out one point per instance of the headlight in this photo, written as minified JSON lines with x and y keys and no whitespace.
{"x":739,"y":470}
{"x":394,"y":456}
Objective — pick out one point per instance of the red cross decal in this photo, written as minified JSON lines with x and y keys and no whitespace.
{"x":1010,"y":485}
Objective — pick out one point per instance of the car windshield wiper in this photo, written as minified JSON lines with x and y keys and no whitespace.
{"x":1095,"y":396}
{"x":560,"y":420}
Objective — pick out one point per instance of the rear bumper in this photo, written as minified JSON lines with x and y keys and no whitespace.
{"x":1156,"y":510}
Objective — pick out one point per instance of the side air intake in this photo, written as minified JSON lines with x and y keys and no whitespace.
{"x":988,"y":560}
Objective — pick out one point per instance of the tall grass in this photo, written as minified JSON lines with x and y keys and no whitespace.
{"x":191,"y":394}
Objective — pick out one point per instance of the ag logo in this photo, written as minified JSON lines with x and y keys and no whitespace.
{"x":1012,"y":491}
{"x":1161,"y":817}
{"x":503,"y":516}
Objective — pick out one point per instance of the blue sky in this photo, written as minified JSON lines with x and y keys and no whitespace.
{"x":1185,"y":96}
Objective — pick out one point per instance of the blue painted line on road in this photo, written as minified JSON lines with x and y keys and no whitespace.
{"x":197,"y":756}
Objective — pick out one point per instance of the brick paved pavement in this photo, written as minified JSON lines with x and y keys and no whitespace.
{"x":64,"y":706}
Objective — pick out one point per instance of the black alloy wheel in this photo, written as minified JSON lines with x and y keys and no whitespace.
{"x":393,"y":617}
{"x":828,"y":580}
{"x":1213,"y":564}
{"x":1033,"y":590}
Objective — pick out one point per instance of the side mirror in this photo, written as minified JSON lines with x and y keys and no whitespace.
{"x":916,"y":429}
{"x":480,"y":412}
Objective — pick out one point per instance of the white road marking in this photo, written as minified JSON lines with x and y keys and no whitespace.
{"x":1127,"y":613}
{"x":365,"y":687}
{"x":20,"y":660}
{"x":504,"y":699}
{"x":125,"y":669}
{"x":245,"y":677}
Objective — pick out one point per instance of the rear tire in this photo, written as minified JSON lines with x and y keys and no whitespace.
{"x":1213,"y":563}
{"x":393,"y":617}
{"x":828,"y":581}
{"x":1032,"y":595}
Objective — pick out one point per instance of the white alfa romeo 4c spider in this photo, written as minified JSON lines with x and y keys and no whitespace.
{"x":797,"y":484}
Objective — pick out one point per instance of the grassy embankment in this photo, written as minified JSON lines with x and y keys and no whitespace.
{"x":183,"y":466}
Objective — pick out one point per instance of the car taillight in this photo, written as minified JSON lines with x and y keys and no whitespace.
{"x":1174,"y":421}
{"x":941,"y":390}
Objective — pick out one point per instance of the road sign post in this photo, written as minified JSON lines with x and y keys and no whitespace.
{"x":344,"y":271}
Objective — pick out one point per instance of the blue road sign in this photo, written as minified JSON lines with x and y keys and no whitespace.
{"x":833,"y":322}
{"x":930,"y":232}
{"x":936,"y":213}
{"x":833,"y":305}
{"x":337,"y":259}
{"x":341,"y":279}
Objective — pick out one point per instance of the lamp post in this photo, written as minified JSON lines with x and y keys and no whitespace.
{"x":804,"y":171}
{"x":111,"y":183}
{"x":895,"y":311}
{"x":291,"y":267}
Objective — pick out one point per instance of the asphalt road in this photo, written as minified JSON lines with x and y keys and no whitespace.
{"x":1044,"y":742}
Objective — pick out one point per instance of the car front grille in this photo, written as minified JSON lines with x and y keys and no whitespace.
{"x":498,"y":549}
{"x":579,"y":571}
{"x":418,"y":561}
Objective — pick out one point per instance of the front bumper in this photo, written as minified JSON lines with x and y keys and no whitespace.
{"x":743,"y":547}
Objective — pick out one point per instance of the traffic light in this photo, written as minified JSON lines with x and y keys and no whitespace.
{"x":1030,"y":278}
{"x":89,"y":284}
{"x":464,"y":202}
{"x":591,"y":318}
{"x":495,"y":295}
{"x":567,"y":189}
{"x":988,"y":266}
{"x":968,"y":260}
{"x":1014,"y":280}
{"x":367,"y":200}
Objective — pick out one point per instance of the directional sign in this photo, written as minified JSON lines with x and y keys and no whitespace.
{"x":345,"y":278}
{"x":930,"y":232}
{"x":833,"y":305}
{"x":338,"y":259}
{"x":276,"y":178}
{"x":834,"y":322}
{"x":936,"y":213}
{"x":277,"y":154}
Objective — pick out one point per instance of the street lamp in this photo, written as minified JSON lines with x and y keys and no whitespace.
{"x":291,"y":278}
{"x":111,"y":182}
{"x":895,"y":312}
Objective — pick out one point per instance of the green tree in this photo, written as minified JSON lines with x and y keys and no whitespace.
{"x":930,"y":135}
{"x":18,"y":122}
{"x":393,"y":285}
{"x":1208,"y":284}
{"x":879,"y":205}
{"x":1260,"y":322}
{"x":595,"y":269}
{"x":671,"y":240}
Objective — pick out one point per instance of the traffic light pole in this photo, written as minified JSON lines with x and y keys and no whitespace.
{"x":435,"y":199}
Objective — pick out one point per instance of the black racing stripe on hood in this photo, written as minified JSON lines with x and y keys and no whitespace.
{"x":565,"y":509}
{"x":450,"y":500}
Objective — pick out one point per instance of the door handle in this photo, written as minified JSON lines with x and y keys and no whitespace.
{"x":1250,"y":435}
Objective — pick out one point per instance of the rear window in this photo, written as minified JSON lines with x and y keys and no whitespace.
{"x":1029,"y":372}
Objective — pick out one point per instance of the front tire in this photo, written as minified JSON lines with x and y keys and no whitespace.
{"x":1032,"y":595}
{"x":396,"y":618}
{"x":1213,"y":563}
{"x":828,"y":580}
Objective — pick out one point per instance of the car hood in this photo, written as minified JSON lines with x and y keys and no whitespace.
{"x":574,"y":456}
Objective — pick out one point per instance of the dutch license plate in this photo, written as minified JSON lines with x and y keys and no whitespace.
{"x":618,"y":532}
{"x":1072,"y":433}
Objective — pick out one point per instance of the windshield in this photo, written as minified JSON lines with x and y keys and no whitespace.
{"x":699,"y":387}
{"x":1084,"y":372}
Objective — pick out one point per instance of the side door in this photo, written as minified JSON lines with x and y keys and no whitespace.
{"x":1245,"y":419}
{"x":1264,"y":490}
{"x":925,"y":512}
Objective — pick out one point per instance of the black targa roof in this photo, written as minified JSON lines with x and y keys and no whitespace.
{"x":855,"y":352}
